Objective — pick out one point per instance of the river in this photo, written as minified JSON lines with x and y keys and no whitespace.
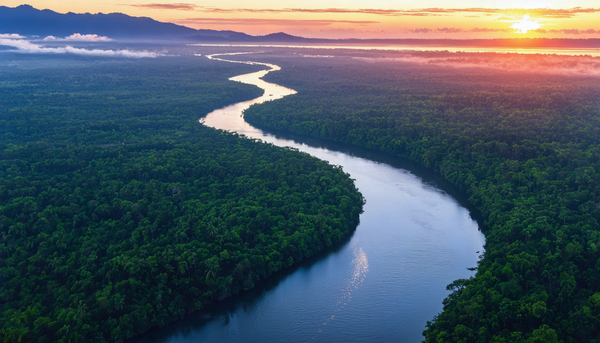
{"x":382,"y":285}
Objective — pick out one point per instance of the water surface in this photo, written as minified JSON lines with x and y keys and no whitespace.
{"x":595,"y":52}
{"x":383,"y":285}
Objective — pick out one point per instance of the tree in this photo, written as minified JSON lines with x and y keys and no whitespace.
{"x":212,"y":267}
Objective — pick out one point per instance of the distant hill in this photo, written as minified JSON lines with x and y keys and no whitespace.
{"x":279,"y":37}
{"x":28,"y":21}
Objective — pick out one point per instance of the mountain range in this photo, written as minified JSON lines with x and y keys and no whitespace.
{"x":28,"y":21}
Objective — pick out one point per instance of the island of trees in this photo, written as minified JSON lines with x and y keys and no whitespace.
{"x":119,"y":212}
{"x":524,"y":146}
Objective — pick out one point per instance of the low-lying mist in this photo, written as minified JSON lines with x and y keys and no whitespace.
{"x":27,"y":47}
{"x":529,"y":63}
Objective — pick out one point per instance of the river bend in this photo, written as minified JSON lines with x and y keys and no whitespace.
{"x":383,"y":285}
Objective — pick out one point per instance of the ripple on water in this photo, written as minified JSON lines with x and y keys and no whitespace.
{"x":382,"y":286}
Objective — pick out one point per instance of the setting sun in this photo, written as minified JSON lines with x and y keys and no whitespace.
{"x":375,"y":19}
{"x":526,"y":24}
{"x":292,"y":171}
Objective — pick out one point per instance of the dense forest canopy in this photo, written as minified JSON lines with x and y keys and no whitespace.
{"x":524,"y":146}
{"x":119,"y":211}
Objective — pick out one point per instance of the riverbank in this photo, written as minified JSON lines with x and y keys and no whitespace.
{"x":522,"y":145}
{"x":113,"y":240}
{"x":413,"y":240}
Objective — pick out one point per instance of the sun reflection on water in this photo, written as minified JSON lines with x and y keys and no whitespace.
{"x":360,"y":269}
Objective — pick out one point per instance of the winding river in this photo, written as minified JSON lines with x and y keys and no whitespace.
{"x":383,"y":285}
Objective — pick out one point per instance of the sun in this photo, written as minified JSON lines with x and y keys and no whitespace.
{"x":526,"y":24}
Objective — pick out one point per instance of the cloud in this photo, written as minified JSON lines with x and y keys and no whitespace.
{"x":27,"y":47}
{"x":314,"y":11}
{"x":557,"y":13}
{"x":454,"y":30}
{"x":576,"y":32}
{"x":449,"y":30}
{"x":437,"y":30}
{"x":11,"y":36}
{"x":572,"y":31}
{"x":536,"y":12}
{"x":569,"y":31}
{"x":485,"y":29}
{"x":178,"y":6}
{"x":543,"y":64}
{"x":420,"y":30}
{"x":80,"y":38}
{"x":257,"y":21}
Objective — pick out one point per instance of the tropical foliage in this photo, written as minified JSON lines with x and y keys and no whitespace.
{"x":119,"y":212}
{"x":523,"y":146}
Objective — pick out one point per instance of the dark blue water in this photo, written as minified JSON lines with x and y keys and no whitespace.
{"x":383,"y":285}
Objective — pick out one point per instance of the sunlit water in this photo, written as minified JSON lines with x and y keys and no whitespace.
{"x":595,"y":52}
{"x":383,"y":285}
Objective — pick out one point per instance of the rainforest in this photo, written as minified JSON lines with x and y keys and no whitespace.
{"x":523,"y":145}
{"x":119,"y":212}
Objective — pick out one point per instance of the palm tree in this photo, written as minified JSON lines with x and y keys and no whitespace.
{"x":144,"y":263}
{"x":12,"y":335}
{"x":131,"y":268}
{"x":192,"y":260}
{"x":55,"y":263}
{"x":152,"y":228}
{"x":18,"y":318}
{"x":158,"y":300}
{"x":17,"y":229}
{"x":120,"y":302}
{"x":211,"y":231}
{"x":169,"y":268}
{"x":43,"y":248}
{"x":81,"y":311}
{"x":183,"y":266}
{"x":64,"y":331}
{"x":212,"y":266}
{"x":79,"y":218}
{"x":221,"y":239}
{"x":181,"y":236}
{"x":60,"y":243}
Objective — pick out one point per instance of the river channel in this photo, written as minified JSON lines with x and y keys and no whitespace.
{"x":382,"y":285}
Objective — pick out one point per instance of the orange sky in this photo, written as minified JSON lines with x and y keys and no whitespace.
{"x":363,"y":19}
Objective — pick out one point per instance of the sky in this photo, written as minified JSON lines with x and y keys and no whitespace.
{"x":457,"y":19}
